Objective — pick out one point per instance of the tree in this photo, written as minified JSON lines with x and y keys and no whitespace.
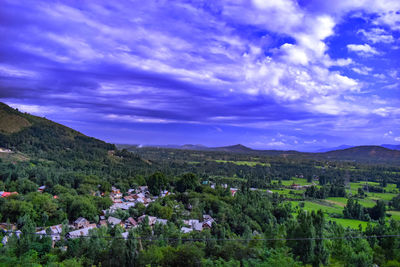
{"x":188,"y":181}
{"x":378,"y":211}
{"x":131,"y":249}
{"x":157,"y":182}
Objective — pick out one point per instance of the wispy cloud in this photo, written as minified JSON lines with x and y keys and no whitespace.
{"x":247,"y":65}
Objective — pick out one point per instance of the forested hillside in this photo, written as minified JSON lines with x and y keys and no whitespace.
{"x":72,"y":200}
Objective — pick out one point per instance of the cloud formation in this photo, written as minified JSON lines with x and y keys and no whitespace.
{"x":176,"y":68}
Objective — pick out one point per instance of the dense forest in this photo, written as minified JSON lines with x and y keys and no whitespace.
{"x":56,"y":175}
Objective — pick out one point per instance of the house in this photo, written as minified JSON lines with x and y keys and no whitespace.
{"x":125,"y":235}
{"x":194,"y":224}
{"x":130,"y":222}
{"x":165,"y":193}
{"x":207,"y":217}
{"x":114,"y":221}
{"x":129,"y":198}
{"x":190,"y":222}
{"x":7,"y":194}
{"x":81,"y":232}
{"x":186,"y":230}
{"x":81,"y":223}
{"x":55,"y":232}
{"x":5,"y":150}
{"x":103,"y":223}
{"x":5,"y":238}
{"x":115,"y":193}
{"x":143,"y":189}
{"x":207,"y":224}
{"x":198,"y":226}
{"x":7,"y":226}
{"x":152,"y":219}
{"x":123,"y":206}
{"x":162,"y":221}
{"x":233,"y":191}
{"x":41,"y":188}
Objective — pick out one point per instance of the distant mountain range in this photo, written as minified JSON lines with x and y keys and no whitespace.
{"x":34,"y":135}
{"x":322,"y":150}
{"x":239,"y":148}
{"x":373,"y":154}
{"x":394,"y":147}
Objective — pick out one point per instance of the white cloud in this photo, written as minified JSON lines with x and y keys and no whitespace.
{"x":362,"y":70}
{"x":377,"y":35}
{"x":362,"y":50}
{"x":310,"y":142}
{"x":379,"y":76}
{"x":397,"y":139}
{"x":341,"y":62}
{"x":12,"y":71}
{"x":33,"y":109}
{"x":389,"y":133}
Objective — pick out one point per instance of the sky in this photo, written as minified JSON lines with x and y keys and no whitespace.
{"x":283,"y":74}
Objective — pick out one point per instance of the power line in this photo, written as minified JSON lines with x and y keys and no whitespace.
{"x":219,"y":239}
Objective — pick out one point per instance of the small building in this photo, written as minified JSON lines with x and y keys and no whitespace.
{"x":198,"y":226}
{"x":207,"y":217}
{"x":152,"y":219}
{"x":114,"y":221}
{"x":103,"y":223}
{"x":131,"y":223}
{"x":207,"y":224}
{"x":165,"y":193}
{"x":81,"y":223}
{"x":115,"y":193}
{"x":55,"y":232}
{"x":129,"y":198}
{"x":125,"y":235}
{"x":233,"y":191}
{"x":143,"y":188}
{"x":5,"y":238}
{"x":123,"y":206}
{"x":81,"y":232}
{"x":5,"y":150}
{"x":162,"y":221}
{"x":7,"y":194}
{"x":186,"y":230}
{"x":41,"y":188}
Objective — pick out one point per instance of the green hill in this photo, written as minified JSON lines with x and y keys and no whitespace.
{"x":10,"y":120}
{"x":45,"y":139}
{"x":364,"y":153}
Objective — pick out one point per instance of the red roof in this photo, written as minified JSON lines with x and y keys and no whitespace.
{"x":7,"y":194}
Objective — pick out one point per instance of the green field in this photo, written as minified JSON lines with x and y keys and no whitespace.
{"x":323,"y":205}
{"x":395,"y":214}
{"x":331,"y":211}
{"x":293,"y":180}
{"x":289,"y":193}
{"x":349,"y":222}
{"x":333,"y":206}
{"x":248,"y":163}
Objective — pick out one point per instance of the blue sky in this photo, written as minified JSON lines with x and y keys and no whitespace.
{"x":267,"y":74}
